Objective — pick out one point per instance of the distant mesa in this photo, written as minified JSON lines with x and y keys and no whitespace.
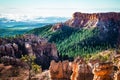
{"x":88,"y":20}
{"x":92,"y":20}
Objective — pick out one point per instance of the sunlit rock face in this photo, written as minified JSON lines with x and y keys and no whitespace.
{"x":102,"y":20}
{"x":76,"y":70}
{"x":30,"y":45}
{"x":103,"y":71}
{"x":92,"y":62}
{"x":81,"y":71}
{"x":60,"y":70}
{"x":117,"y":76}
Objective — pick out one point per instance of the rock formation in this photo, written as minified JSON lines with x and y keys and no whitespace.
{"x":13,"y":73}
{"x":13,"y":69}
{"x":6,"y":60}
{"x":60,"y":70}
{"x":81,"y":71}
{"x":103,"y":71}
{"x":77,"y":70}
{"x":43,"y":76}
{"x":29,"y":45}
{"x":117,"y":75}
{"x":57,"y":26}
{"x":92,"y":62}
{"x":87,"y":20}
{"x":8,"y":49}
{"x":92,"y":20}
{"x":117,"y":57}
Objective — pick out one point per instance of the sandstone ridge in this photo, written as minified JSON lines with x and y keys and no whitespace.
{"x":88,"y":20}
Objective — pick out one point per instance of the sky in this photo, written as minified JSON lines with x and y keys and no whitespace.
{"x":64,"y":8}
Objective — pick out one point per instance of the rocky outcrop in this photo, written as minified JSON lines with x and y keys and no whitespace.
{"x":81,"y":71}
{"x":57,"y":27}
{"x":30,"y":45}
{"x":8,"y":49}
{"x":103,"y":71}
{"x":77,"y":70}
{"x":117,"y":75}
{"x":13,"y":73}
{"x":89,"y":20}
{"x":117,"y":54}
{"x":117,"y":57}
{"x":6,"y":60}
{"x":60,"y":70}
{"x":92,"y":62}
{"x":43,"y":76}
{"x":13,"y":69}
{"x":80,"y":20}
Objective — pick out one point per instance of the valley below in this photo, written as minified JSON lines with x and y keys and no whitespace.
{"x":11,"y":27}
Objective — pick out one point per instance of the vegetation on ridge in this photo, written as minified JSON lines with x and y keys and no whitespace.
{"x":78,"y":42}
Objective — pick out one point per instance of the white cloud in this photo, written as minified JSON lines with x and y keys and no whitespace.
{"x":32,"y":13}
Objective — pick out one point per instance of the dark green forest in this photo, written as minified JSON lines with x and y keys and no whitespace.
{"x":78,"y":42}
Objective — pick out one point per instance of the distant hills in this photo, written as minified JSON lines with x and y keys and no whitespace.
{"x":10,"y":26}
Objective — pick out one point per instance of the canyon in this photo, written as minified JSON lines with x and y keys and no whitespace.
{"x":44,"y":43}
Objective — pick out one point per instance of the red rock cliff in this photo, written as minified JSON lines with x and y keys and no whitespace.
{"x":92,"y":20}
